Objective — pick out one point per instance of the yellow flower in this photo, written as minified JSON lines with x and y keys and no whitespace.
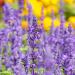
{"x":36,"y":6}
{"x":39,"y":22}
{"x":9,"y":1}
{"x":45,"y":12}
{"x":66,"y":24}
{"x":54,"y":2}
{"x":69,"y":1}
{"x":24,"y":12}
{"x":24,"y":24}
{"x":72,"y":21}
{"x":56,"y":23}
{"x":52,"y":7}
{"x":47,"y":23}
{"x":45,"y":2}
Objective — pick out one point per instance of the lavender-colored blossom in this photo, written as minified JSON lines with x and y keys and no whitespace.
{"x":21,"y":4}
{"x":52,"y":52}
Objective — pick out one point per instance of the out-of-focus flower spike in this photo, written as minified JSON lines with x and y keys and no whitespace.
{"x":21,"y":4}
{"x":42,"y":16}
{"x":42,"y":28}
{"x":43,"y":33}
{"x":52,"y":26}
{"x":30,"y":15}
{"x":7,"y":10}
{"x":6,"y":7}
{"x":42,"y":13}
{"x":52,"y":15}
{"x":1,"y":36}
{"x":62,"y":17}
{"x":70,"y":29}
{"x":56,"y":32}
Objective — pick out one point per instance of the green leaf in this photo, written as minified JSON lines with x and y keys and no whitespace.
{"x":24,"y":49}
{"x":5,"y":73}
{"x":2,"y":25}
{"x":15,"y":5}
{"x":3,"y":68}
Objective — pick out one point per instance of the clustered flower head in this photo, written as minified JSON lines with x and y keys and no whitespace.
{"x":48,"y":53}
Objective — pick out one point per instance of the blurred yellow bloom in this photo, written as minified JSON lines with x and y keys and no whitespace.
{"x":69,"y":1}
{"x":45,"y":12}
{"x":66,"y":24}
{"x":72,"y":21}
{"x":54,"y":2}
{"x":36,"y":5}
{"x":52,"y":7}
{"x":38,"y":22}
{"x":56,"y":23}
{"x":24,"y":24}
{"x":24,"y":12}
{"x":45,"y":2}
{"x":9,"y":1}
{"x":47,"y":23}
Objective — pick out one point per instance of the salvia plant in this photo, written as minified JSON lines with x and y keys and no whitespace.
{"x":44,"y":53}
